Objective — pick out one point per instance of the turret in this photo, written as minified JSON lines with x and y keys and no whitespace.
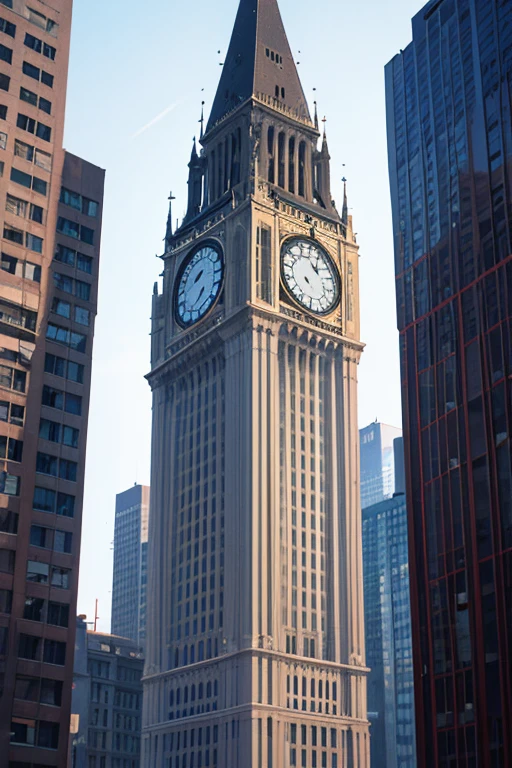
{"x":195,"y":183}
{"x":322,"y":163}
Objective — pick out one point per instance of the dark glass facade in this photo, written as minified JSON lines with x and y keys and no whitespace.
{"x":449,"y":105}
{"x":387,"y":618}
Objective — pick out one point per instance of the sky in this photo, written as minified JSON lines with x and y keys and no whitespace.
{"x":138,"y":74}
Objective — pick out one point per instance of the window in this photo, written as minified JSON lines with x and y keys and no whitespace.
{"x":12,"y":378}
{"x":13,"y":235}
{"x":32,"y":155}
{"x":5,"y":601}
{"x":78,"y":202}
{"x":62,"y":308}
{"x":64,"y":336}
{"x":62,"y":542}
{"x":54,"y":652}
{"x":30,"y":182}
{"x":10,"y":448}
{"x":28,"y":124}
{"x":58,"y":614}
{"x":12,"y":413}
{"x":39,"y":46}
{"x":38,"y":74}
{"x":5,"y":54}
{"x":74,"y":259}
{"x":3,"y":115}
{"x":23,"y":731}
{"x":67,"y":369}
{"x":5,"y":82}
{"x":8,"y":522}
{"x":75,"y":287}
{"x":47,"y":464}
{"x":51,"y":692}
{"x":47,"y":500}
{"x":68,"y":402}
{"x":7,"y":560}
{"x":60,"y":578}
{"x":36,"y":101}
{"x":29,"y":647}
{"x":9,"y":484}
{"x":37,"y":572}
{"x":13,"y":314}
{"x":82,"y":316}
{"x":42,"y":21}
{"x":34,"y":243}
{"x":26,"y":688}
{"x":3,"y":140}
{"x":19,"y":207}
{"x":7,"y":27}
{"x":41,"y":537}
{"x":34,"y":609}
{"x":75,"y":230}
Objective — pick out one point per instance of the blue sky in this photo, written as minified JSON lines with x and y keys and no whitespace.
{"x":132,"y":63}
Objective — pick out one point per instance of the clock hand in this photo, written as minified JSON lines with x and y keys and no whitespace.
{"x":199,"y":276}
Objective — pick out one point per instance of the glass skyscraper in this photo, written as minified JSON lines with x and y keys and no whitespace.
{"x":377,"y":462}
{"x":449,"y":105}
{"x":129,"y":585}
{"x":388,"y":631}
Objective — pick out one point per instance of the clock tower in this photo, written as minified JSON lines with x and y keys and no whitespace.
{"x":255,"y":639}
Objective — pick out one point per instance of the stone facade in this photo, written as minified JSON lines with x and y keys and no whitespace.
{"x":255,"y":643}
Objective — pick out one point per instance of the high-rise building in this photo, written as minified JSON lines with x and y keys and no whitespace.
{"x":51,"y":225}
{"x":377,"y":462}
{"x":107,"y":701}
{"x":387,"y":616}
{"x":255,"y":642}
{"x":129,"y":586}
{"x":449,"y":106}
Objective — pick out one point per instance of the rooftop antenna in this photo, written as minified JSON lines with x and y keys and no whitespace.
{"x":96,"y":617}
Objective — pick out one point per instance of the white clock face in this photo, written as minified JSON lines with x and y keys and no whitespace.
{"x":199,"y":285}
{"x":310,"y":276}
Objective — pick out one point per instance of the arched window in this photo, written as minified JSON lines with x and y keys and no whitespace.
{"x":208,"y":690}
{"x":176,"y":658}
{"x":335,"y":691}
{"x":291,"y":164}
{"x":171,"y":699}
{"x":312,"y":688}
{"x":295,"y":686}
{"x":215,"y":687}
{"x":201,"y":651}
{"x":213,"y":176}
{"x":192,"y":654}
{"x":185,"y":695}
{"x":281,"y":146}
{"x":185,"y":656}
{"x":178,"y":696}
{"x":200,"y":691}
{"x":193,"y":693}
{"x":209,"y":648}
{"x":271,"y":158}
{"x":302,"y":171}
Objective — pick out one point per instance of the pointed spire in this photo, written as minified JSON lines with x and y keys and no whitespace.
{"x":259,"y":62}
{"x":168,"y":233}
{"x":325,"y":148}
{"x":316,"y":116}
{"x":193,"y":156}
{"x":344,"y":214}
{"x":202,"y":121}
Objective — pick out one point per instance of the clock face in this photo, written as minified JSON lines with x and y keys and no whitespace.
{"x":199,"y":285}
{"x":310,"y":276}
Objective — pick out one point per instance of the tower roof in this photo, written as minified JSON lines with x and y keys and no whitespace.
{"x":259,"y":61}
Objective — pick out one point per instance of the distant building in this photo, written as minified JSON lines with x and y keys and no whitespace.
{"x":51,"y":215}
{"x":107,"y":701}
{"x":129,"y":585}
{"x":377,"y":462}
{"x":388,"y":630}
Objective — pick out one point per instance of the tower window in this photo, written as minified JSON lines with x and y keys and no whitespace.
{"x":277,"y":91}
{"x":282,"y":93}
{"x":271,"y":158}
{"x":281,"y":149}
{"x":302,"y":165}
{"x":264,"y":264}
